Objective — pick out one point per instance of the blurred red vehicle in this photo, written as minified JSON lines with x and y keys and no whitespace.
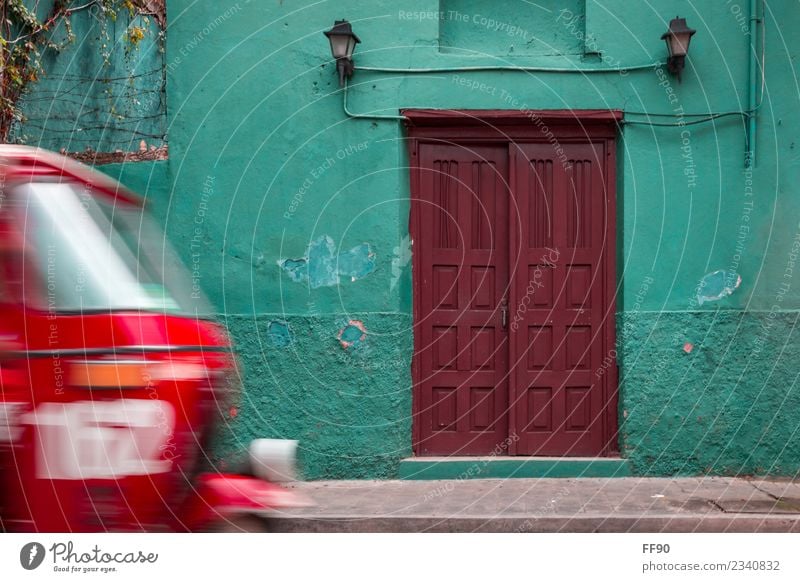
{"x":111,"y":378}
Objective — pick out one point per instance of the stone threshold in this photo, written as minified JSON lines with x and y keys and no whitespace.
{"x":429,"y":468}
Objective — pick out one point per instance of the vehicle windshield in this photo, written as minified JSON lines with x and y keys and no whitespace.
{"x":94,"y":254}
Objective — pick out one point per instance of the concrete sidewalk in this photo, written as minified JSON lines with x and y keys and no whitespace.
{"x":712,"y":504}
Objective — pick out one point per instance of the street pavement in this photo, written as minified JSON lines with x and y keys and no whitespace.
{"x":709,"y":504}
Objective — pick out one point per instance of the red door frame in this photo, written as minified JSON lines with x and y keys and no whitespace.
{"x":504,"y":126}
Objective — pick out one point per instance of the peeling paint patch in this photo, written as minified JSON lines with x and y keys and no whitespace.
{"x":353,"y":334}
{"x":297,"y":269}
{"x":356,"y":263}
{"x":278,"y":334}
{"x":401,"y":258}
{"x":322,"y":267}
{"x":688,"y":347}
{"x":717,"y":285}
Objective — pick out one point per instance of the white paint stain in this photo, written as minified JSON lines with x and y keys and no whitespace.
{"x":717,"y":285}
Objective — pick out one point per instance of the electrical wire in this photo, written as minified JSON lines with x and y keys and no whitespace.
{"x":706,"y":117}
{"x":363,"y":115}
{"x":510,"y":68}
{"x":709,"y":117}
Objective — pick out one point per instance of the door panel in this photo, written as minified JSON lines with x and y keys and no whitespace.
{"x":558,"y":290}
{"x":514,"y":281}
{"x":463,"y":266}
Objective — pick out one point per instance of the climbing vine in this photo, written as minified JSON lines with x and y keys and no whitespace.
{"x":25,"y":37}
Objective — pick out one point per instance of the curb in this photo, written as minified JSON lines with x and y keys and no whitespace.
{"x":751,"y":523}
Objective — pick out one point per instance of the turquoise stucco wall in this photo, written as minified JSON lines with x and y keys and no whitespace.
{"x":264,"y":165}
{"x":101,"y":91}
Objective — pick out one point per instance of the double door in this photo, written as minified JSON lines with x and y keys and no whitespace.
{"x":514,"y":312}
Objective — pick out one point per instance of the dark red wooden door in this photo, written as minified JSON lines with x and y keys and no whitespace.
{"x":514,"y":285}
{"x":462,"y":352}
{"x":558,"y":326}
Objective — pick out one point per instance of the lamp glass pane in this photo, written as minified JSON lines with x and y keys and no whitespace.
{"x":351,"y":46}
{"x":678,"y":44}
{"x":682,"y":41}
{"x":339,"y":44}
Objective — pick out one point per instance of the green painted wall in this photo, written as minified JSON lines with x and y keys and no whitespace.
{"x":728,"y":407}
{"x":102,"y":91}
{"x":264,"y":165}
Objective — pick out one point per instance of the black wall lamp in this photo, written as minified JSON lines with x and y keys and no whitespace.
{"x":343,"y":43}
{"x":678,"y":38}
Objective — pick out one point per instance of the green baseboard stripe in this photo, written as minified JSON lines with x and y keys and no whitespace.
{"x":495,"y":468}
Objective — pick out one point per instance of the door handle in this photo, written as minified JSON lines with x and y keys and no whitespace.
{"x":504,"y":313}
